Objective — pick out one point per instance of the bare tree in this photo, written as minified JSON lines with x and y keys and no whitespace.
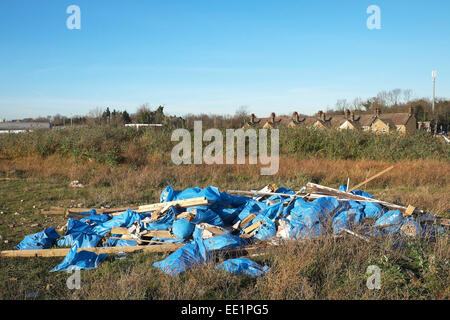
{"x":341,"y":105}
{"x":407,"y":94}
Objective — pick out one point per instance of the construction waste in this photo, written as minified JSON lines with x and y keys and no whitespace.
{"x":194,"y":223}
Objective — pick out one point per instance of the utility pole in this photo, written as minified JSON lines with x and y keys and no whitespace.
{"x":433,"y":76}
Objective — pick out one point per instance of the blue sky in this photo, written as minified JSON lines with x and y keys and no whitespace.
{"x":215,"y":56}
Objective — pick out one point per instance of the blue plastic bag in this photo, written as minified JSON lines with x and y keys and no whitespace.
{"x":243,"y":266}
{"x":224,"y":241}
{"x":41,"y":240}
{"x":207,"y":216}
{"x":182,"y":228}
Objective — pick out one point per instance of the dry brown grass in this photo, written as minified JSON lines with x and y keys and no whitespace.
{"x":327,"y":268}
{"x":422,"y":183}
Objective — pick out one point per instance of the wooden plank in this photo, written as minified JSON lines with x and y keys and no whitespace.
{"x":253,"y":227}
{"x":113,"y":250}
{"x":76,"y":212}
{"x":159,"y":234}
{"x":118,"y":230}
{"x":53,"y":212}
{"x":189,"y":216}
{"x":252,"y":192}
{"x":247,"y":220}
{"x":409,"y":210}
{"x":150,"y":233}
{"x":322,"y":190}
{"x":201,"y":201}
{"x":99,"y":250}
{"x":216,"y":231}
{"x":371,"y":178}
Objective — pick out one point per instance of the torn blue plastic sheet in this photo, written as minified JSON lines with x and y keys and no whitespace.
{"x":392,"y":220}
{"x":164,"y":223}
{"x":224,"y":241}
{"x":243,"y":266}
{"x":81,"y":239}
{"x":41,"y":240}
{"x":207,"y":216}
{"x":356,"y":192}
{"x":186,"y":257}
{"x":124,"y":220}
{"x":79,"y":260}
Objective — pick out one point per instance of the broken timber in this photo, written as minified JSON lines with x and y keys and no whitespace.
{"x":370,"y":179}
{"x":98,"y":250}
{"x":266,"y":193}
{"x":201,"y":201}
{"x":318,"y":191}
{"x":113,"y":250}
{"x":77,"y":212}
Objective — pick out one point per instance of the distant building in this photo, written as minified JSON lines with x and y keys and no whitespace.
{"x":15,"y":127}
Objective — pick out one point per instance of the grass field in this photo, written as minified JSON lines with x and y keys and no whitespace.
{"x":326,"y":268}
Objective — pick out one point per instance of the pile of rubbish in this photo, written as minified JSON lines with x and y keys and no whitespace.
{"x":194,"y":223}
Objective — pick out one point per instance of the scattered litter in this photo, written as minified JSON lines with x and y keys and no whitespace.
{"x":121,"y":255}
{"x":76,"y":184}
{"x":31,"y":295}
{"x":195,"y":222}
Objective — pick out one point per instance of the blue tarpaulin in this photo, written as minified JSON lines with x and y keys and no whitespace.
{"x":186,"y":257}
{"x":183,"y":228}
{"x":41,"y":240}
{"x":243,"y":266}
{"x":79,"y":260}
{"x":301,"y":218}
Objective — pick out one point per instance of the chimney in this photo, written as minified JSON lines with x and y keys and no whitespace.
{"x":272,"y":117}
{"x":347,"y":113}
{"x":319,"y":114}
{"x":352,"y":116}
{"x":295,"y":116}
{"x":252,"y":118}
{"x":377,"y":111}
{"x":411,"y":111}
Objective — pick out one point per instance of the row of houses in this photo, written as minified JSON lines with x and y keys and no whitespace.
{"x":377,"y":122}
